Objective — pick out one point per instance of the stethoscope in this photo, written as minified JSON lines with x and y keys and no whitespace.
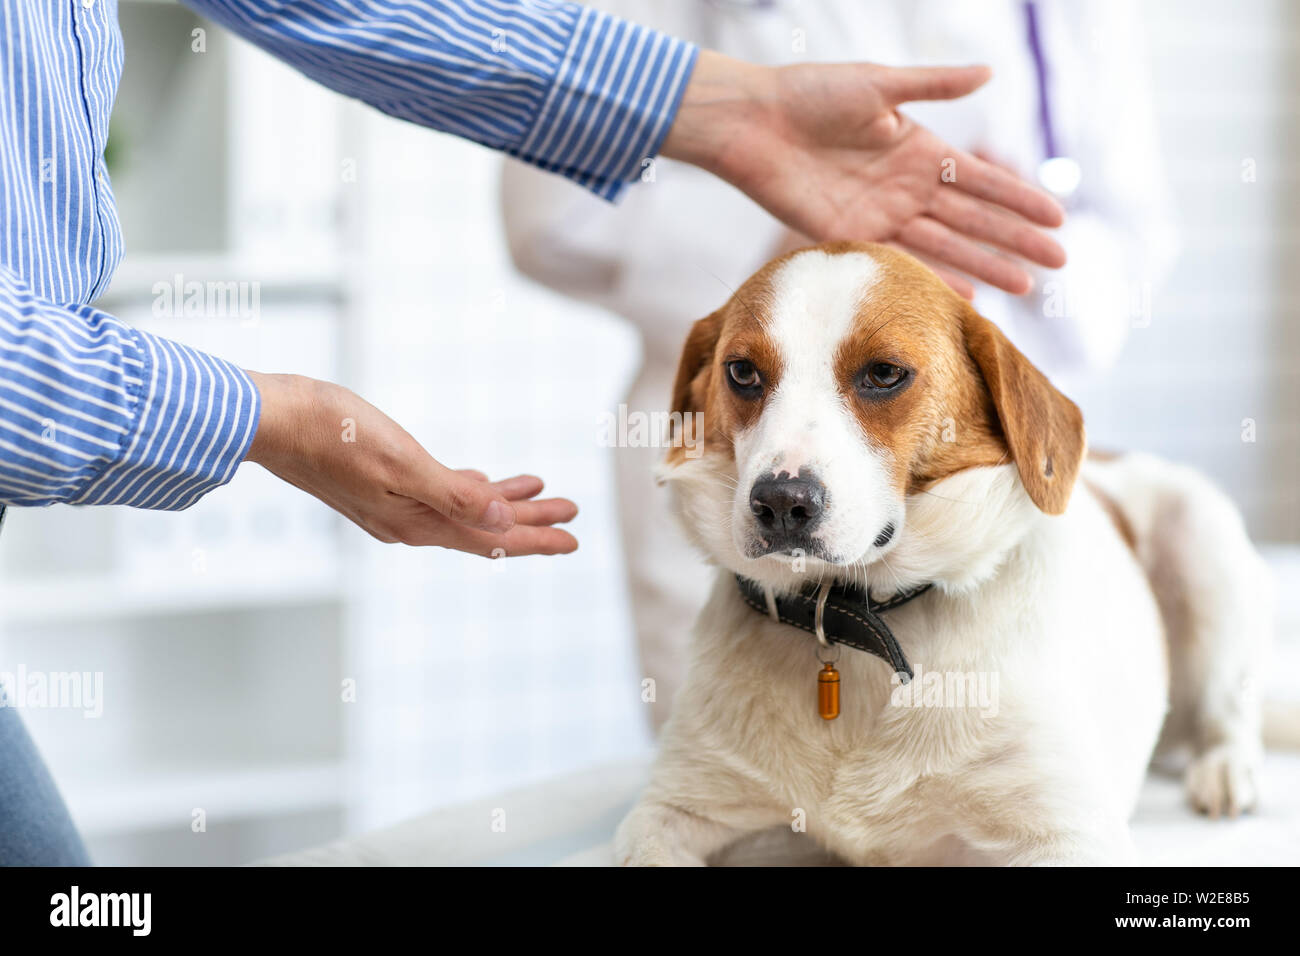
{"x":1059,"y":174}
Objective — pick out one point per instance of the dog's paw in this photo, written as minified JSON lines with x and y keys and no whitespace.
{"x":1222,"y":782}
{"x":643,"y":854}
{"x":638,"y":848}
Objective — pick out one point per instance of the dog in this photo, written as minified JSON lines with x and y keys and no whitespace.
{"x":878,"y":457}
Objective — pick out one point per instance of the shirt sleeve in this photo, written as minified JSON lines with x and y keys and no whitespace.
{"x":95,"y":412}
{"x":570,"y":89}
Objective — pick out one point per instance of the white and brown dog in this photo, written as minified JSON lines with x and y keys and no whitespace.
{"x":863,"y":425}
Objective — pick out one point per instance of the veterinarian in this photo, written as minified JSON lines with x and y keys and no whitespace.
{"x":95,"y":412}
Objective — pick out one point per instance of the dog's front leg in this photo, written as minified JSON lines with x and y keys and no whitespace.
{"x":1107,"y":844}
{"x":659,"y":834}
{"x":696,"y":803}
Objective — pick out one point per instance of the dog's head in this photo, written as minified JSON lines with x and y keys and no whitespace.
{"x":837,"y":385}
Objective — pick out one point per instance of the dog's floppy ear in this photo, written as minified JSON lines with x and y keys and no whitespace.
{"x":692,"y":370}
{"x":692,"y":380}
{"x":1043,"y":429}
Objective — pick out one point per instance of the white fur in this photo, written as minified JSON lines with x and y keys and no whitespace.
{"x":1215,"y":595}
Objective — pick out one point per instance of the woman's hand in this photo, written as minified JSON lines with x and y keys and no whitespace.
{"x":334,"y":445}
{"x":823,"y":148}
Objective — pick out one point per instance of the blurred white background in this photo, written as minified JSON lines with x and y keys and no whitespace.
{"x":229,"y":636}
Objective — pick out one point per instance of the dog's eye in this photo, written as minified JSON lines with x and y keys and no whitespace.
{"x":883,"y":375}
{"x":744,"y":376}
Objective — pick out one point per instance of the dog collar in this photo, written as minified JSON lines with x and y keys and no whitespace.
{"x":838,"y":614}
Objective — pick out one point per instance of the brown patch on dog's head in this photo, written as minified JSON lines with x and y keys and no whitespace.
{"x":734,"y":330}
{"x":973,"y":398}
{"x":941,"y":420}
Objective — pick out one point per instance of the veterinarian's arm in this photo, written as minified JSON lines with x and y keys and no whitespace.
{"x":338,"y":447}
{"x":592,"y":97}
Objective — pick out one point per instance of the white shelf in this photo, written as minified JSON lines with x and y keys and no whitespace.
{"x":106,"y":597}
{"x":161,"y":799}
{"x":139,"y":273}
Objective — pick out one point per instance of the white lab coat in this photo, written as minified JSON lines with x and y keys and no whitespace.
{"x":673,"y":249}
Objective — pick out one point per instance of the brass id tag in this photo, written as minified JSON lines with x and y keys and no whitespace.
{"x":828,"y":692}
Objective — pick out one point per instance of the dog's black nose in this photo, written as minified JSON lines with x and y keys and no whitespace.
{"x":785,"y":505}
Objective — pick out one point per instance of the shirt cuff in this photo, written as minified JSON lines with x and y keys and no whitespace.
{"x":611,"y":103}
{"x":194,"y":421}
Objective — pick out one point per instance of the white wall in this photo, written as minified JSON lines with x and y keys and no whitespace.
{"x":1223,"y":344}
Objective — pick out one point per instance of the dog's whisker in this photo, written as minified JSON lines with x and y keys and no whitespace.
{"x":958,"y":501}
{"x":898,"y":581}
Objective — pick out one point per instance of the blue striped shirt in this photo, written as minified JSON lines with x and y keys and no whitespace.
{"x":93,"y":411}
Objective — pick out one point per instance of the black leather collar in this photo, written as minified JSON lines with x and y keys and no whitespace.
{"x":849,"y":616}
